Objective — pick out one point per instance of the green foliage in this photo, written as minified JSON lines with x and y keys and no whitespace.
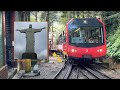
{"x":113,"y":34}
{"x":114,"y":44}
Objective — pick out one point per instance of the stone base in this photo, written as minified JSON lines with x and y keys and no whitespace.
{"x":31,"y":74}
{"x":4,"y":72}
{"x":29,"y":56}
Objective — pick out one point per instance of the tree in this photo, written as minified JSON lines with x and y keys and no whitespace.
{"x":24,"y":15}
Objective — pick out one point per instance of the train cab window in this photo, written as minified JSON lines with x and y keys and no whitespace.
{"x":90,"y":34}
{"x":93,"y":35}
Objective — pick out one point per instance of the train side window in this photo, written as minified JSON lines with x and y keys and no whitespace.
{"x":101,"y":31}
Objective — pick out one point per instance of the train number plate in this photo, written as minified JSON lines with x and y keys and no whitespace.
{"x":87,"y":56}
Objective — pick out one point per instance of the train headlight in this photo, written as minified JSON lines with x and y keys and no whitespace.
{"x":73,"y":50}
{"x":99,"y":50}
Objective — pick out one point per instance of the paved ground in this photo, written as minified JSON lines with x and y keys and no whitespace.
{"x":11,"y":72}
{"x":48,"y":70}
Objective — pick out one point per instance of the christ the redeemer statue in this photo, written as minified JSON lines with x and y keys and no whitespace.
{"x":30,"y":39}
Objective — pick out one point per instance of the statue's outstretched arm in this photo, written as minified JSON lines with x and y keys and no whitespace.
{"x":22,"y":31}
{"x":39,"y":30}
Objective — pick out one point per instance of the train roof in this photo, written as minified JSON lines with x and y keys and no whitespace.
{"x":86,"y":22}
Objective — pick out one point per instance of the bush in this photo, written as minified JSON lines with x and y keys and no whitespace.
{"x":114,"y":44}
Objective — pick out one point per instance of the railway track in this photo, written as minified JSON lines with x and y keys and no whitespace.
{"x":79,"y":72}
{"x":97,"y":74}
{"x":64,"y":72}
{"x":74,"y":73}
{"x":84,"y":74}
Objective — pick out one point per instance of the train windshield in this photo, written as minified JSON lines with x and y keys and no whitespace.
{"x":88,"y":35}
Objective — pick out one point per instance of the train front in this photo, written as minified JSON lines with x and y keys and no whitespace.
{"x":86,"y":38}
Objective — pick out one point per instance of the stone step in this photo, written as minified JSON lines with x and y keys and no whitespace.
{"x":11,"y":72}
{"x":19,"y":74}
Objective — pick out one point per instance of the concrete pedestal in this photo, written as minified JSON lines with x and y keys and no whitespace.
{"x":29,"y":55}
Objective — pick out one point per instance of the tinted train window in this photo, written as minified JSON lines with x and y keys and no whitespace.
{"x":87,"y":35}
{"x":90,"y":34}
{"x":1,"y":42}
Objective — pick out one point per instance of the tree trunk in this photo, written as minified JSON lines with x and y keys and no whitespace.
{"x":47,"y":19}
{"x":28,"y":15}
{"x":36,"y":19}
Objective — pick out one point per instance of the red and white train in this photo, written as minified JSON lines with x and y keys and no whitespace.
{"x":83,"y":38}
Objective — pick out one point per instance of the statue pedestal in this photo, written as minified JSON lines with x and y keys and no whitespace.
{"x":28,"y":55}
{"x":32,"y":56}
